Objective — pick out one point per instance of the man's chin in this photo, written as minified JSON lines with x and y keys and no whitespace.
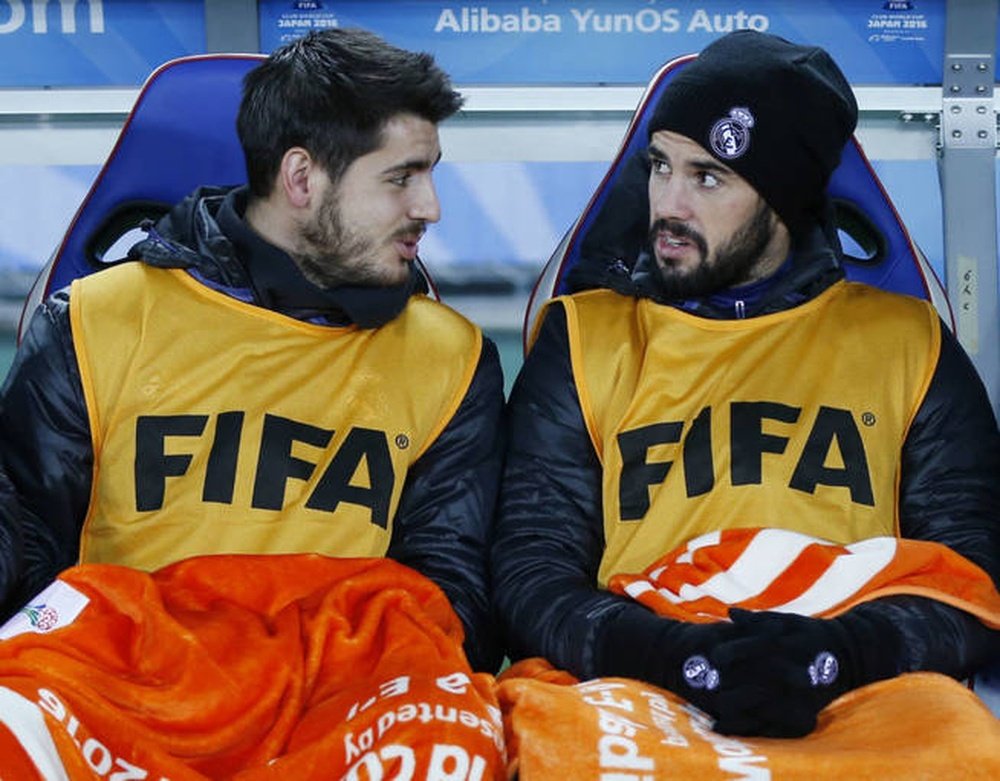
{"x":399,"y":275}
{"x":391,"y":272}
{"x":678,"y":283}
{"x":674,"y":270}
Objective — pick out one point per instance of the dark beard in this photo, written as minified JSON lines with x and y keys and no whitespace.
{"x":331,"y":247}
{"x":734,"y":261}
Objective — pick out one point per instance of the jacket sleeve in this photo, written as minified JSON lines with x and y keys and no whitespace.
{"x":444,"y":522}
{"x":550,"y":537}
{"x":11,"y":544}
{"x":950,"y":494}
{"x":46,"y":451}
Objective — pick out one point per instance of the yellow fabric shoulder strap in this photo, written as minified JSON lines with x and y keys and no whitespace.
{"x":791,"y":420}
{"x":221,"y":427}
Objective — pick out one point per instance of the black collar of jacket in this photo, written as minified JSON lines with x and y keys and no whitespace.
{"x":278,"y":283}
{"x":815,"y":266}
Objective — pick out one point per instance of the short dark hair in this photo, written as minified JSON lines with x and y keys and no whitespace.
{"x":332,"y":92}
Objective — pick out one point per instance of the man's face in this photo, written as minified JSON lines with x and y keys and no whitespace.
{"x":365,"y":228}
{"x":709,"y":229}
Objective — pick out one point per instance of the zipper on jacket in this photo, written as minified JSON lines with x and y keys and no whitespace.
{"x":741,"y":309}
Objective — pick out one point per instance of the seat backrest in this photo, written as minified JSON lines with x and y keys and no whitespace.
{"x":877,"y":247}
{"x":180,"y":134}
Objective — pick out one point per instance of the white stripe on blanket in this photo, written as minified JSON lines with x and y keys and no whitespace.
{"x":23,"y":718}
{"x":763,"y":563}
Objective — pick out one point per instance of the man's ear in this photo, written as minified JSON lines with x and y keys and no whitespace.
{"x":295,"y":176}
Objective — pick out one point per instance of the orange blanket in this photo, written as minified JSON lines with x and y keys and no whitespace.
{"x":919,"y":725}
{"x":244,"y":667}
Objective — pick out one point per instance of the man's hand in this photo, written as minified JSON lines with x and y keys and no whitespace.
{"x":770,"y":674}
{"x":783,"y":671}
{"x":692,"y":668}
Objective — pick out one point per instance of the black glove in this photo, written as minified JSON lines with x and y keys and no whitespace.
{"x":691,"y":669}
{"x":781,"y":670}
{"x":727,"y":670}
{"x":656,"y":649}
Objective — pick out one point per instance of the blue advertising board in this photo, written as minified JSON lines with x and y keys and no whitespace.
{"x":624,"y":41}
{"x":58,"y":43}
{"x":119,"y":42}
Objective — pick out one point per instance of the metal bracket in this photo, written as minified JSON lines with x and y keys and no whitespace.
{"x":968,"y":118}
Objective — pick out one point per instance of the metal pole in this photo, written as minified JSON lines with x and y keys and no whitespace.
{"x":231,"y":26}
{"x":968,"y":183}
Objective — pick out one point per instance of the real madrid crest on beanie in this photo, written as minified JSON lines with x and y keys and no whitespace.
{"x":777,"y":113}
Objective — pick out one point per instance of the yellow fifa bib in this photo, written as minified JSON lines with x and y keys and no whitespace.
{"x":792,"y":420}
{"x":222,"y":427}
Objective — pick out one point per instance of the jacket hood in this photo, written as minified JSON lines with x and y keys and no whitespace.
{"x":189,"y":236}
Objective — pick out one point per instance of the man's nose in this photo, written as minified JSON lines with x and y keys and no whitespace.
{"x":669,"y":199}
{"x":425,"y":205}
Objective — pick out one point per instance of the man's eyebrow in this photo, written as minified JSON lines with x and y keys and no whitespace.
{"x":711,"y":165}
{"x":705,"y":163}
{"x":654,"y":151}
{"x":415,"y":164}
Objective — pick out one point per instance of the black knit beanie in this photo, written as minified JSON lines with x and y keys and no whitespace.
{"x":777,"y":113}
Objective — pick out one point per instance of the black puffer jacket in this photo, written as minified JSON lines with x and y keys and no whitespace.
{"x":444,"y":517}
{"x":550,"y":539}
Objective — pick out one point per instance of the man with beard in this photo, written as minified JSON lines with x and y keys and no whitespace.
{"x":266,"y":375}
{"x":730,"y":380}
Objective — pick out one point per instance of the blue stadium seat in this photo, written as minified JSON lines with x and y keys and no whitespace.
{"x":181,"y":133}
